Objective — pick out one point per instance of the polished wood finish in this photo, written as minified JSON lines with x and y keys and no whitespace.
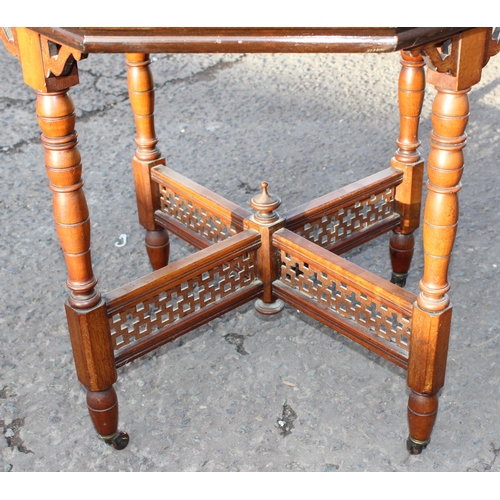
{"x":103,"y":410}
{"x":407,"y":159}
{"x":289,"y":258}
{"x":142,"y":98}
{"x":346,"y":297}
{"x":245,"y":40}
{"x":85,"y":309}
{"x":43,"y":69}
{"x":56,"y":117}
{"x":347,"y":217}
{"x":450,"y":114}
{"x":194,"y":213}
{"x":167,"y":303}
{"x":267,"y":221}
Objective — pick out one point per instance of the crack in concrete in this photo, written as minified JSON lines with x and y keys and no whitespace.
{"x":9,"y":102}
{"x":237,"y":340}
{"x":496,"y":452}
{"x":85,"y":116}
{"x":16,"y":148}
{"x":122,"y":75}
{"x":11,"y":433}
{"x":485,"y":466}
{"x":205,"y":75}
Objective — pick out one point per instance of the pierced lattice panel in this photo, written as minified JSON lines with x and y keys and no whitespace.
{"x":329,"y":290}
{"x":152,"y":313}
{"x":195,"y":216}
{"x":349,"y":220}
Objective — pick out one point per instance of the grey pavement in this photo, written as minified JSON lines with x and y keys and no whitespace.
{"x":306,"y":124}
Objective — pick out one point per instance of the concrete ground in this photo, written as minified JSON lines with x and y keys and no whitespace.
{"x":306,"y":124}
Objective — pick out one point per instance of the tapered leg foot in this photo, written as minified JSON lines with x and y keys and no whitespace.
{"x":415,"y":447}
{"x":401,"y":251}
{"x":399,"y":279}
{"x":158,"y":248}
{"x":103,"y":410}
{"x":118,"y":441}
{"x":422,"y":411}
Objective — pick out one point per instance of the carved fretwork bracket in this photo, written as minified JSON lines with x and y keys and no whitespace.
{"x":442,"y":57}
{"x":494,"y":46}
{"x":457,"y":63}
{"x":47,"y":66}
{"x":58,"y":60}
{"x":9,"y":38}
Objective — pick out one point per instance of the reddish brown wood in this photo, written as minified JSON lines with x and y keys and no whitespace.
{"x":141,"y":94}
{"x":182,"y":270}
{"x":85,"y":310}
{"x":344,"y":296}
{"x":369,"y":201}
{"x":450,"y":113}
{"x":194,"y":213}
{"x":38,"y":65}
{"x":407,"y":159}
{"x":230,"y":264}
{"x":267,"y":221}
{"x":363,"y":279}
{"x":92,"y":348}
{"x":195,"y":320}
{"x":249,"y":260}
{"x":56,"y":117}
{"x":103,"y":410}
{"x":460,"y":68}
{"x":422,"y":412}
{"x":246,"y":40}
{"x":432,"y":315}
{"x":401,"y":248}
{"x":340,"y":325}
{"x":9,"y":38}
{"x":426,"y":372}
{"x":430,"y":343}
{"x":494,"y":44}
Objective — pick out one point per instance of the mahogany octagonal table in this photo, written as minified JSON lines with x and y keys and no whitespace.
{"x":292,"y":257}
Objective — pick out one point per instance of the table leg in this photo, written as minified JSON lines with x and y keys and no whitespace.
{"x":85,"y":309}
{"x":432,"y":312}
{"x":142,"y":95}
{"x":407,"y":158}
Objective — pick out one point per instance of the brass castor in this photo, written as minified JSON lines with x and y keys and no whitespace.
{"x":415,"y":447}
{"x":399,"y":279}
{"x":119,"y":440}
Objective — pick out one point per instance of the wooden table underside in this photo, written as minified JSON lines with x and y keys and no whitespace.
{"x":293,"y":257}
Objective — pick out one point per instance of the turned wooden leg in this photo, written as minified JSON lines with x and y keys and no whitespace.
{"x":432,"y":312}
{"x":85,"y":309}
{"x":147,"y":156}
{"x":407,"y":158}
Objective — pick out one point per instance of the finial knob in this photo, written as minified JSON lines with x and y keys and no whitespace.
{"x":265,"y":204}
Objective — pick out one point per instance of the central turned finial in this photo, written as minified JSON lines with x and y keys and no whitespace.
{"x":265,"y":204}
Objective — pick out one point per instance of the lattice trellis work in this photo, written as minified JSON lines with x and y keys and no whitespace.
{"x":345,"y":299}
{"x":163,"y":308}
{"x":194,"y":216}
{"x":348,"y":220}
